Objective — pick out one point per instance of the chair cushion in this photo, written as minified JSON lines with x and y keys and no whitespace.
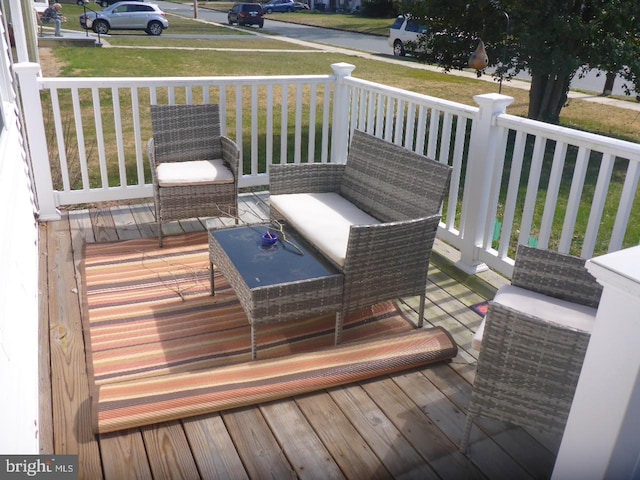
{"x":195,"y":172}
{"x":323,"y":219}
{"x":548,"y":309}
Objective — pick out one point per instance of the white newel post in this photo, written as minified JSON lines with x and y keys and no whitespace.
{"x":602,"y":437}
{"x":340,"y":121}
{"x":28,"y":74}
{"x":480,"y":171}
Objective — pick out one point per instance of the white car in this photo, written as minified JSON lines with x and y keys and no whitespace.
{"x":126,"y":16}
{"x":404,"y":35}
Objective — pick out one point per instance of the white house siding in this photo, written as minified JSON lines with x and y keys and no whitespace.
{"x":18,"y":280}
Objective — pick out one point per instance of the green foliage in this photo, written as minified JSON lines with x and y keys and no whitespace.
{"x":377,"y":8}
{"x":553,"y":40}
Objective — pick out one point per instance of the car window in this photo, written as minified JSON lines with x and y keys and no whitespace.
{"x":412,"y":26}
{"x":120,"y":9}
{"x":140,"y":8}
{"x":398,"y":23}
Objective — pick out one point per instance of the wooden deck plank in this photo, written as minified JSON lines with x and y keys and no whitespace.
{"x":428,"y":440}
{"x":127,"y":456}
{"x":212,"y":447}
{"x":297,"y":439}
{"x":124,"y":222}
{"x":104,"y":229}
{"x":350,"y":451}
{"x":168,"y":449}
{"x":70,"y":388}
{"x":256,"y":444}
{"x":397,"y":454}
{"x":145,"y":219}
{"x":45,"y":408}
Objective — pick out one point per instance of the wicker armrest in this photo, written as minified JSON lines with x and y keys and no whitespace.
{"x":231,"y":154}
{"x":151,"y":154}
{"x":305,"y":178}
{"x":388,"y":260}
{"x":555,"y":274}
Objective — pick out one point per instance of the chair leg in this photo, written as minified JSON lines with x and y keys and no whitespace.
{"x":421,"y":312}
{"x":464,"y":444}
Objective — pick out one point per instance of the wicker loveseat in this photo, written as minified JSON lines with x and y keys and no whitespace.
{"x":374,"y":217}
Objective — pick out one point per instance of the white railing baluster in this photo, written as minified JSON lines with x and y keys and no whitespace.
{"x":137,"y":135}
{"x":624,"y":208}
{"x":297,"y":150}
{"x":532,"y":190}
{"x":102,"y":160}
{"x":284,"y":123}
{"x":269,"y":134}
{"x":432,"y":139}
{"x":597,"y":205}
{"x":254,"y":130}
{"x":551,"y":200}
{"x":325,"y":122}
{"x":117,"y":123}
{"x":82,"y":152}
{"x":512,"y":193}
{"x":573,"y":203}
{"x":313,"y":106}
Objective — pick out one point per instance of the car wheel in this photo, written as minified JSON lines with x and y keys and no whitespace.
{"x":269,"y":10}
{"x":80,"y":3}
{"x":261,"y":24}
{"x":101,"y":27}
{"x":104,"y":4}
{"x":229,"y":21}
{"x":289,"y":9}
{"x":398,"y":49}
{"x":240,"y":24}
{"x":154,"y":28}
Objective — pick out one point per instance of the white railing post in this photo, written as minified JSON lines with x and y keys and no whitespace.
{"x":600,"y":440}
{"x":340,"y":122}
{"x":482,"y":157}
{"x":28,"y":74}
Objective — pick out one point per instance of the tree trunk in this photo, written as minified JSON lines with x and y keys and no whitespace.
{"x":608,"y":84}
{"x":547,"y":96}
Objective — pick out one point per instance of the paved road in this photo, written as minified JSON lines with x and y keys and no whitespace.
{"x":373,"y":45}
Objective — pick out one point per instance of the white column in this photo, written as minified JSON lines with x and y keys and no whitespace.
{"x":28,"y":74}
{"x":480,"y":171}
{"x":340,"y":122}
{"x":602,"y":437}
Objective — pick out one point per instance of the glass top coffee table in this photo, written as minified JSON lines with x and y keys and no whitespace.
{"x":274,"y":283}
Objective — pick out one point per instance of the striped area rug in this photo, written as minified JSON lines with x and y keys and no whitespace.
{"x":160,"y":347}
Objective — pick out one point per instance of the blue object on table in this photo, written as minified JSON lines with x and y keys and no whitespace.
{"x":269,"y":238}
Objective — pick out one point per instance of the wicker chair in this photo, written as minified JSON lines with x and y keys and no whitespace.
{"x":400,"y":189}
{"x":194,"y":167}
{"x":529,"y":364}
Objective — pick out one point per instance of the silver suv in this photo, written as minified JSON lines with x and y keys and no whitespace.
{"x":126,"y":16}
{"x":404,"y":35}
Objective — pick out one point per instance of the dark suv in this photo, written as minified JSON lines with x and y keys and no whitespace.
{"x":246,"y":14}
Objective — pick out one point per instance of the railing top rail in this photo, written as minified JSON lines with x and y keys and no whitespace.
{"x":176,"y":81}
{"x":413,"y":96}
{"x":593,"y":141}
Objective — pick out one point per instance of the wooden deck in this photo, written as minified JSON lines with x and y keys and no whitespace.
{"x":402,"y":426}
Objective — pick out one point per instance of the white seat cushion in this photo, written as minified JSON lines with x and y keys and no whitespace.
{"x":196,"y":172}
{"x":549,"y":309}
{"x":323,"y":219}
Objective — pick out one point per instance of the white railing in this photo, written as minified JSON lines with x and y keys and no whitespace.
{"x":514,"y":180}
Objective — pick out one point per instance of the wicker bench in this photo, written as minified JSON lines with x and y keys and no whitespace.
{"x":375,"y":217}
